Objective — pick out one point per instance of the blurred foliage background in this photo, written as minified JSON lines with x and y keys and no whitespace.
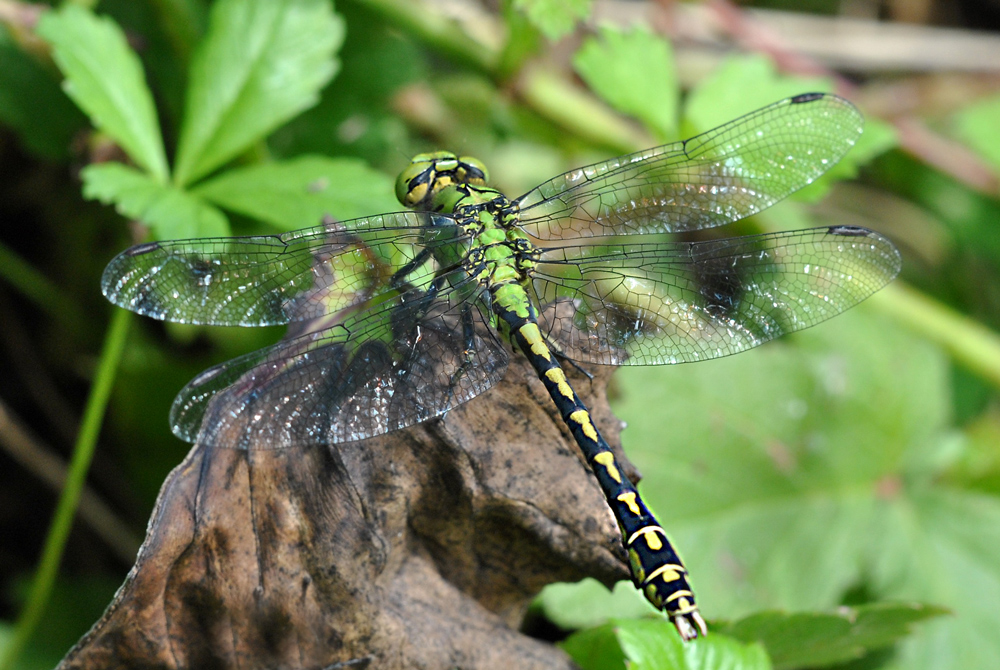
{"x":856,"y":464}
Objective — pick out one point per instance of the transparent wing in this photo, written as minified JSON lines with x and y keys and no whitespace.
{"x":712,"y":179}
{"x":659,"y":303}
{"x":272,"y":279}
{"x":396,"y":363}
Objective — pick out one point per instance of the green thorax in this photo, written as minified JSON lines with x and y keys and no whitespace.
{"x":499,"y":253}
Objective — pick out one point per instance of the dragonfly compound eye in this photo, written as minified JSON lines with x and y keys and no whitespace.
{"x":430,"y":173}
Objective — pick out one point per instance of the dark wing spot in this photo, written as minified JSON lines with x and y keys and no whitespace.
{"x":849,"y":231}
{"x":807,"y":97}
{"x":720,"y":284}
{"x":141,"y":249}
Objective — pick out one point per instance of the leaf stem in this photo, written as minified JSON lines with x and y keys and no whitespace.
{"x":572,"y":108}
{"x":969,"y":342}
{"x":93,"y":416}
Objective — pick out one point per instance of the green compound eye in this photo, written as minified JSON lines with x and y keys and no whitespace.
{"x":472,"y":171}
{"x":429,"y":173}
{"x":417,"y":182}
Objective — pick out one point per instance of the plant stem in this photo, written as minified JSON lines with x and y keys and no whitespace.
{"x":969,"y":342}
{"x":41,"y":588}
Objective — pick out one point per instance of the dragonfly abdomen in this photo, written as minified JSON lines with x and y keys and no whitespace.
{"x":656,"y":569}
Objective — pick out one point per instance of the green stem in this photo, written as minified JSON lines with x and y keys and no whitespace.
{"x":969,"y":342}
{"x":579,"y":112}
{"x":41,"y":588}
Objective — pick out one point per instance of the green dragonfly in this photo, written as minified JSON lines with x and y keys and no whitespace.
{"x":398,"y":318}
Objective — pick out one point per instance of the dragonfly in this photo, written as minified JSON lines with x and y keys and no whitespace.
{"x":397,"y":318}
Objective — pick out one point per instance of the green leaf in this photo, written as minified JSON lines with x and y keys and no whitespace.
{"x":653,"y":644}
{"x":595,"y":648}
{"x":32,"y":103}
{"x":355,"y":113}
{"x":170,"y":212}
{"x":262,"y":62}
{"x":300,"y":192}
{"x":976,"y":125}
{"x":105,"y":78}
{"x":588,"y":603}
{"x":634,"y":72}
{"x":554,"y":18}
{"x":819,"y":639}
{"x":740,"y":85}
{"x":718,"y":652}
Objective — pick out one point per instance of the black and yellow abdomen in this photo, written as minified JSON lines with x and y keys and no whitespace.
{"x":656,"y":569}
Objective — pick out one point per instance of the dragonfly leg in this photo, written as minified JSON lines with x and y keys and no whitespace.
{"x":468,"y":353}
{"x":566,"y":360}
{"x":398,"y":279}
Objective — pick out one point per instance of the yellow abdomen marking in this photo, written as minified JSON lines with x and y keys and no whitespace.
{"x":629,"y":499}
{"x":684,"y":605}
{"x":533,"y":337}
{"x":582,"y":417}
{"x":680,"y":594}
{"x":653,"y":596}
{"x":653,"y":540}
{"x":670,"y":572}
{"x":607,"y":459}
{"x":556,"y":376}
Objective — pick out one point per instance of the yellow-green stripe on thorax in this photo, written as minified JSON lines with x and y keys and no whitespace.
{"x":499,"y":255}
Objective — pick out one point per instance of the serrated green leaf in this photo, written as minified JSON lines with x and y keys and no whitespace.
{"x":977,"y":126}
{"x":634,"y":72}
{"x":813,"y":639}
{"x":170,"y":212}
{"x":300,"y":192}
{"x":262,"y":62}
{"x":554,"y":18}
{"x":105,"y":79}
{"x":32,"y":103}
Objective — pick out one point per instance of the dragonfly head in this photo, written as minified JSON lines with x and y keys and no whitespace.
{"x":427,"y":174}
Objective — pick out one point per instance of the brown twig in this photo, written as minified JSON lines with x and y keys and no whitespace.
{"x":44,"y":464}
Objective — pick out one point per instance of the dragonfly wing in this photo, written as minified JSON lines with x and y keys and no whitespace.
{"x":270,"y":279}
{"x":393,"y":364}
{"x":710,"y":180}
{"x":661,"y":303}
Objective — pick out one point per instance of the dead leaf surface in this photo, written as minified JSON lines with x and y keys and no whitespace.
{"x":418,"y":549}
